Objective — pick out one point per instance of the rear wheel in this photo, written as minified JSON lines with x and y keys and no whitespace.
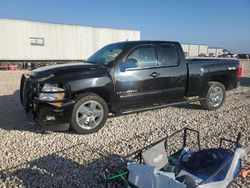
{"x":89,"y":114}
{"x":215,"y":96}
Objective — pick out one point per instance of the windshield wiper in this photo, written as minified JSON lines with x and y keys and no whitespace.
{"x":91,"y":62}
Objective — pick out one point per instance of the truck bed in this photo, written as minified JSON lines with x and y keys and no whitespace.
{"x":204,"y":70}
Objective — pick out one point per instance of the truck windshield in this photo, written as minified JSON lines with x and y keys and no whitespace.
{"x":107,"y":54}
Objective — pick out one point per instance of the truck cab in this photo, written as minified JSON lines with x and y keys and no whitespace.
{"x":150,"y":72}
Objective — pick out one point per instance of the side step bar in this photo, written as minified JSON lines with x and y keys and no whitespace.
{"x":158,"y":106}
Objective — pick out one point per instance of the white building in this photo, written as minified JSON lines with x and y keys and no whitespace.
{"x":203,"y":50}
{"x":215,"y":52}
{"x":185,"y":48}
{"x":195,"y":50}
{"x":28,"y":40}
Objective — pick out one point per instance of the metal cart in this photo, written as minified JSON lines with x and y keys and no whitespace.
{"x":213,"y":167}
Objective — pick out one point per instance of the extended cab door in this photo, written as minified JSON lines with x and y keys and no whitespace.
{"x":142,"y":83}
{"x":174,"y":70}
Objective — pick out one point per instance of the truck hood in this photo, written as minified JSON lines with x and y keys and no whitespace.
{"x":54,"y":70}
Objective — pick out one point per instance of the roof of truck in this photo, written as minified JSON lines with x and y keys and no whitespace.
{"x":146,"y":42}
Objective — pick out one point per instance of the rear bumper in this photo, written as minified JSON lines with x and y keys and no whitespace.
{"x":45,"y":114}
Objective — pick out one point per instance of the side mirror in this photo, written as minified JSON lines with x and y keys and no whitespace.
{"x":128,"y":64}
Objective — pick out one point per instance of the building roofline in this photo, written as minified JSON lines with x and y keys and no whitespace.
{"x":194,"y":44}
{"x":66,"y":24}
{"x":217,"y":48}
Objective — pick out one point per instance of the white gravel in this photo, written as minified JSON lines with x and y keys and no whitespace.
{"x":33,"y":157}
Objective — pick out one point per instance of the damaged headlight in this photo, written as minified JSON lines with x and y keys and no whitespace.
{"x":57,"y":94}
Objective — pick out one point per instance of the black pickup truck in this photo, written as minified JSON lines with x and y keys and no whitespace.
{"x":123,"y":78}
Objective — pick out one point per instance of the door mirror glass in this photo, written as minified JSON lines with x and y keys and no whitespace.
{"x":128,"y":64}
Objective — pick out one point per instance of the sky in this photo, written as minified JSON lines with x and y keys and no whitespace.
{"x":217,"y":23}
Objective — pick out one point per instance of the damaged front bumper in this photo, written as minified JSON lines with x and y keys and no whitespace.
{"x":46,"y":113}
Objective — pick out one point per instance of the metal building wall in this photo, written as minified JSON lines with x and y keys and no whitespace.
{"x":185,"y":48}
{"x":203,"y":49}
{"x":219,"y":51}
{"x":61,"y":42}
{"x":212,"y":51}
{"x":215,"y":51}
{"x":193,"y":50}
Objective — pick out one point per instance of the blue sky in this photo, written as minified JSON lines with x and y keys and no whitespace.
{"x":219,"y":23}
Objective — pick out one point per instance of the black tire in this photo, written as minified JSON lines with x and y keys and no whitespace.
{"x":83,"y":102}
{"x":208,"y":103}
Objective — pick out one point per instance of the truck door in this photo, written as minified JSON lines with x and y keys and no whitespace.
{"x":139,"y":82}
{"x":174,"y":71}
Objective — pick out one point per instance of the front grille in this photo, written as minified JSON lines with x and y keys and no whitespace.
{"x":30,"y":90}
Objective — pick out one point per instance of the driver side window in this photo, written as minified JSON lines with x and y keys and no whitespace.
{"x":145,"y":56}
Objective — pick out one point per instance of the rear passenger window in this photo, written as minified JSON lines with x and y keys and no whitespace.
{"x":169,"y":55}
{"x":145,"y":56}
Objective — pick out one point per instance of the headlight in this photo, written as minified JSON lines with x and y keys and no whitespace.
{"x":50,"y":97}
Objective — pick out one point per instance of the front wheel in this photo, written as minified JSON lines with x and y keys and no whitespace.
{"x":215,"y":96}
{"x":89,"y":114}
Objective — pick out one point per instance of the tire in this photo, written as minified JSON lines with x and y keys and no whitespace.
{"x":214,"y":96}
{"x":89,"y":114}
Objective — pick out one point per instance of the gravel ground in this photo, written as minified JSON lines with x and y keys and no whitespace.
{"x":33,"y":157}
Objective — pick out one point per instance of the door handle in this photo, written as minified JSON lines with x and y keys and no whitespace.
{"x":155,"y":74}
